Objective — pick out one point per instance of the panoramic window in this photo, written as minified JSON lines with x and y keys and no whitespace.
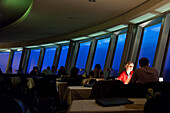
{"x":82,"y":56}
{"x":149,"y":43}
{"x":166,"y":73}
{"x":63,"y":56}
{"x":16,"y":61}
{"x":118,"y":53}
{"x":33,"y":60}
{"x":101,"y":52}
{"x":48,"y":58}
{"x":4,"y":60}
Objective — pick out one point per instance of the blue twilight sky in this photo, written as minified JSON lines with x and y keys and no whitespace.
{"x":48,"y":58}
{"x":4,"y":60}
{"x":149,"y":43}
{"x":16,"y":61}
{"x":118,"y":52}
{"x":101,"y":52}
{"x":63,"y":56}
{"x":33,"y":60}
{"x":82,"y":55}
{"x":167,"y":63}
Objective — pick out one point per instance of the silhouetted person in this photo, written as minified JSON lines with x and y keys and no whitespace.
{"x":62,"y":72}
{"x":53,"y":70}
{"x":91,"y":74}
{"x":98,"y":73}
{"x":20,"y":71}
{"x":1,"y":72}
{"x":73,"y":79}
{"x":47,"y":71}
{"x":6,"y":84}
{"x":9,"y":71}
{"x":21,"y":88}
{"x":35,"y":71}
{"x":74,"y":72}
{"x":145,"y":73}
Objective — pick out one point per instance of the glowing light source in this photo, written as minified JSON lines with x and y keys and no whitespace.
{"x":17,"y":48}
{"x":163,"y":8}
{"x":62,"y":42}
{"x":35,"y":46}
{"x":160,"y":79}
{"x":142,"y":18}
{"x":80,"y":38}
{"x":97,"y":34}
{"x":115,"y":28}
{"x":50,"y":44}
{"x":145,"y":23}
{"x":5,"y":50}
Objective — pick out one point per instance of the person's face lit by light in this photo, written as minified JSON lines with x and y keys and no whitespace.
{"x":98,"y":70}
{"x":129,"y":67}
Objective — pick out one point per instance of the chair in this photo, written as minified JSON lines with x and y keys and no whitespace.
{"x":158,"y":100}
{"x":74,"y":82}
{"x":47,"y":96}
{"x":106,"y":89}
{"x":163,"y":87}
{"x":9,"y":105}
{"x":133,"y":90}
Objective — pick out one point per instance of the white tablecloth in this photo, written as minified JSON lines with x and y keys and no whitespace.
{"x":89,"y":106}
{"x":77,"y":93}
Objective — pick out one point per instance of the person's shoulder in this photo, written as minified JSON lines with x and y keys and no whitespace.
{"x":45,"y":69}
{"x":123,"y":72}
{"x":151,"y":68}
{"x":139,"y":69}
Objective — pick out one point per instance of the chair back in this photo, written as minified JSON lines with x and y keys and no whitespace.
{"x":9,"y":105}
{"x":162,"y":87}
{"x":74,"y":82}
{"x":133,"y":90}
{"x":105,"y":89}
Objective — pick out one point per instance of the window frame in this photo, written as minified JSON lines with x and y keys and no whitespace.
{"x":100,"y":37}
{"x":79,"y":42}
{"x":29,"y":57}
{"x":165,"y":55}
{"x":153,"y":22}
{"x":13,"y":58}
{"x":47,"y":47}
{"x":117,"y":33}
{"x":60,"y":47}
{"x":8,"y":62}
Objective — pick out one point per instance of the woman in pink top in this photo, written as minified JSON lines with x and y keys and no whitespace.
{"x":126,"y":75}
